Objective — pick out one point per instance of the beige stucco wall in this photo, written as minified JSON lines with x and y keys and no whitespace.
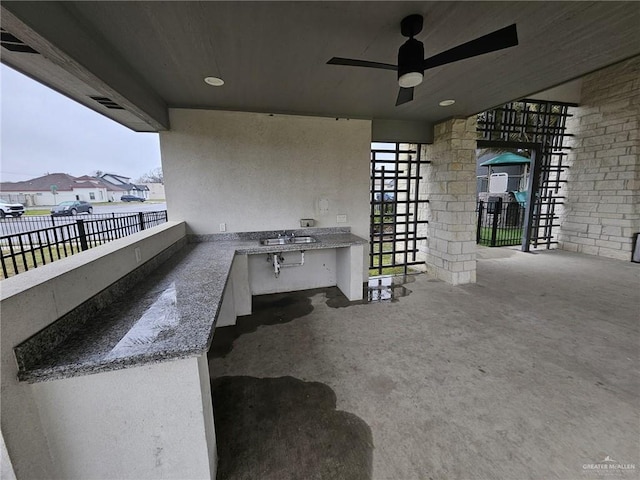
{"x":255,"y":171}
{"x":31,"y":301}
{"x":156,"y":191}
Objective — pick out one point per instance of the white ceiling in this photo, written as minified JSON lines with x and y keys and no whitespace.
{"x":148,"y":56}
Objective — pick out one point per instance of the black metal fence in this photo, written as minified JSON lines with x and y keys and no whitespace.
{"x":30,"y":249}
{"x":398,"y":214}
{"x":543,"y":123}
{"x":28,"y":223}
{"x":500,"y":223}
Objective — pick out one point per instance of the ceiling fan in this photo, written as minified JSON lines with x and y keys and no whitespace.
{"x":411,"y":61}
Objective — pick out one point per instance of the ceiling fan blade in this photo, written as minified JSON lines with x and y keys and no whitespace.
{"x":404,"y":95}
{"x":503,"y":38}
{"x":361,"y":63}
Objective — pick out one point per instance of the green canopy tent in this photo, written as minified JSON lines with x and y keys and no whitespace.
{"x":507,"y":159}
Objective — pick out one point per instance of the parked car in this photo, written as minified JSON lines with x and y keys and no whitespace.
{"x":131,"y":198}
{"x":72,"y":207}
{"x":13,"y":209}
{"x":388,"y":197}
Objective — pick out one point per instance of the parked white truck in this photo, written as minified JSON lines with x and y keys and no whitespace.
{"x":11,"y":209}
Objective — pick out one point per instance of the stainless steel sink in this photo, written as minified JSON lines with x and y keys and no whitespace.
{"x":287,"y":240}
{"x":307,"y":239}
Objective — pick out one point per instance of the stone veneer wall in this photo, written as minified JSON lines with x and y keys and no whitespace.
{"x":450,"y":249}
{"x":602,"y":209}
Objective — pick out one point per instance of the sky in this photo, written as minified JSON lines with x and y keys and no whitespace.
{"x":42,"y":131}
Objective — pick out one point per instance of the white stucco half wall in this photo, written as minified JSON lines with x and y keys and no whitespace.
{"x":35,"y":299}
{"x":253,"y":171}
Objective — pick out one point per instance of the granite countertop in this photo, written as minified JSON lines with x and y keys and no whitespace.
{"x":171,"y":314}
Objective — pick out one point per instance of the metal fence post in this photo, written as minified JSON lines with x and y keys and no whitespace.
{"x":82,"y":235}
{"x":141,"y":220}
{"x":479,"y":227}
{"x":497,"y":210}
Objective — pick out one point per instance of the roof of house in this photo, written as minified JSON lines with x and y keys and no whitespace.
{"x":63,"y":182}
{"x":124,"y":185}
{"x":98,"y":181}
{"x":120,"y":178}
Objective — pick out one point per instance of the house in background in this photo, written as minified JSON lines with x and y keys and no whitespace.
{"x":155,"y":192}
{"x":125,"y":184}
{"x":54,"y":188}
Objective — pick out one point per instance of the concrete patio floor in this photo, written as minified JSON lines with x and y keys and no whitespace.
{"x":532,"y":373}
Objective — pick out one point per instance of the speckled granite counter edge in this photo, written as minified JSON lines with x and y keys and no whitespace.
{"x":247,"y":242}
{"x":32,"y":350}
{"x":60,"y":372}
{"x":38,"y":345}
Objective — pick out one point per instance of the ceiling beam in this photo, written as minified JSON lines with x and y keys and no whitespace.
{"x":52,"y":29}
{"x":401,"y":131}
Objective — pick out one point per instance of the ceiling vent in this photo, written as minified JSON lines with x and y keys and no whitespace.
{"x":107,"y":102}
{"x":13,"y":43}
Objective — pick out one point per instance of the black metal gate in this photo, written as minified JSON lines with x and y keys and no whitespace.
{"x":542,"y":123}
{"x":398,"y":216}
{"x":500,"y":223}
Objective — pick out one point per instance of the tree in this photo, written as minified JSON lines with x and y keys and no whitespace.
{"x":97,"y":173}
{"x":153,"y":176}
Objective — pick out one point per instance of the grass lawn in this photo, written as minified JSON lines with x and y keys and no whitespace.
{"x":56,"y":254}
{"x":37,"y":212}
{"x":387,"y":259}
{"x":504,"y":236}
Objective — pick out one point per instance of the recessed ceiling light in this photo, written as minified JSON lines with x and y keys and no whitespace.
{"x":446,"y":103}
{"x":215,"y":81}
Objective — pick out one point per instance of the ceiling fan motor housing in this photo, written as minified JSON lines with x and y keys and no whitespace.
{"x":410,"y":57}
{"x":411,"y":25}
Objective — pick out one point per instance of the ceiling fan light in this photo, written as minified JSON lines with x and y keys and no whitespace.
{"x":410,"y":79}
{"x":214,"y":81}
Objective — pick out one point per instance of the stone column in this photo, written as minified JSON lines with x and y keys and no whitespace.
{"x":450,"y":186}
{"x":602,"y":210}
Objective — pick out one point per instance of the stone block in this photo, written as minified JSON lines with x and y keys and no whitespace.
{"x":589,"y":250}
{"x":570,"y":247}
{"x":609,"y":152}
{"x":594,"y":229}
{"x":454,"y":248}
{"x":618,"y":127}
{"x":629,"y":174}
{"x":470,"y":248}
{"x":609,"y":185}
{"x":608,"y":244}
{"x":456,"y":206}
{"x":575,"y":227}
{"x":462,"y":278}
{"x":607,"y":208}
{"x":625,"y":208}
{"x":612,"y":230}
{"x":590,"y":119}
{"x":624,"y":255}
